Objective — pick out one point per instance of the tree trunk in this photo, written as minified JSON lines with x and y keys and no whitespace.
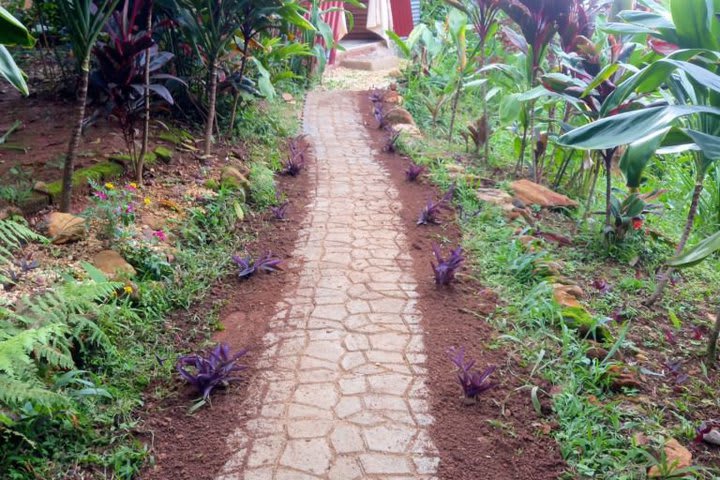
{"x":243,"y":63}
{"x":456,"y":99}
{"x":712,"y":341}
{"x":69,"y":165}
{"x":607,"y":156}
{"x":140,"y":163}
{"x":211,"y":108}
{"x":665,"y":276}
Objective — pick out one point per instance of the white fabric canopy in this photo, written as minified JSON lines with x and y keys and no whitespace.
{"x":379,"y":17}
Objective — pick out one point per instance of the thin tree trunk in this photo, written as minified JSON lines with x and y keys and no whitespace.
{"x":211,"y":108}
{"x":607,"y":156}
{"x":140,"y":164}
{"x":69,"y":165}
{"x":593,"y":182}
{"x":456,"y":99}
{"x":665,"y":276}
{"x":237,"y":95}
{"x":712,"y":341}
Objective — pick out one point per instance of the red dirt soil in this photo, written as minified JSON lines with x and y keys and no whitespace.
{"x":501,"y":437}
{"x":194,"y":447}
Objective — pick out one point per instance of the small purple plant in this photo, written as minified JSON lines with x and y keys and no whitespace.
{"x":205,"y":373}
{"x":413,"y":172}
{"x":377,"y":96}
{"x":379,"y":115}
{"x":391,"y":145}
{"x":430,"y":212}
{"x":296,"y":161}
{"x":280,"y":211}
{"x":472,"y":382}
{"x":248,"y":267}
{"x":445,"y":269}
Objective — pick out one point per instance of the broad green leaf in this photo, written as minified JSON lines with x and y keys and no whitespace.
{"x":629,"y":127}
{"x":637,"y":156}
{"x":10,"y":71}
{"x":404,"y":47}
{"x":12,"y":32}
{"x":693,"y":23}
{"x":607,"y":72}
{"x":698,"y":253}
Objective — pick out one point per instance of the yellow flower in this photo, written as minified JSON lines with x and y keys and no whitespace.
{"x":109,"y":186}
{"x":147,"y":201}
{"x":134,"y":185}
{"x":128,"y":289}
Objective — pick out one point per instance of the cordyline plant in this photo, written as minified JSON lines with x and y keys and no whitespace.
{"x":691,"y":123}
{"x":249,"y":267}
{"x":128,"y":72}
{"x":216,"y":369}
{"x":538,"y":21}
{"x":430,"y":212}
{"x":445,"y":269}
{"x":472,"y":382}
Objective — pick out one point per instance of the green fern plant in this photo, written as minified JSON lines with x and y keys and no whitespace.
{"x":36,"y":339}
{"x":13,"y":233}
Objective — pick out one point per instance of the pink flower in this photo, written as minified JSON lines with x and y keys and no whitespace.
{"x":160,"y":235}
{"x":101,"y":195}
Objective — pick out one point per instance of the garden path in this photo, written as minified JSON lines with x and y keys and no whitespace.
{"x":341,"y":392}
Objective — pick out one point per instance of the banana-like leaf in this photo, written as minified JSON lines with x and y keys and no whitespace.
{"x":629,"y":127}
{"x":404,"y":47}
{"x":12,"y":32}
{"x":698,"y":253}
{"x":650,"y":78}
{"x":693,"y":21}
{"x":10,"y":71}
{"x":637,"y":156}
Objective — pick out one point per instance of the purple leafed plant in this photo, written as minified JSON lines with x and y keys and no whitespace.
{"x":430,"y":212}
{"x":248,"y":267}
{"x":391,"y":145}
{"x":413,"y":172}
{"x":379,"y":115}
{"x":377,"y":96}
{"x":445,"y":269}
{"x":472,"y":382}
{"x":280,"y":211}
{"x":205,"y":373}
{"x":296,"y":160}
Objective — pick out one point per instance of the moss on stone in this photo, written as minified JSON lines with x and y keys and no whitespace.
{"x":98,"y":173}
{"x":163,"y":153}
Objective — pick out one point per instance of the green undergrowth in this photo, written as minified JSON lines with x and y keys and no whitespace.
{"x":135,"y":331}
{"x":596,"y":427}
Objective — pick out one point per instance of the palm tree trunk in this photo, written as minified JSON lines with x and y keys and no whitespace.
{"x":665,"y":276}
{"x":211,"y":108}
{"x":243,"y":63}
{"x":140,"y":164}
{"x":712,"y":341}
{"x":74,"y":145}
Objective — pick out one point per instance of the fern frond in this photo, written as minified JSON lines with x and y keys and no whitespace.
{"x":18,"y":392}
{"x":13,"y":234}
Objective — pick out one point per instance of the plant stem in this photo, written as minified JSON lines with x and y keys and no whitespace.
{"x":712,"y":341}
{"x":665,"y":276}
{"x":140,"y":164}
{"x":212,"y":90}
{"x":69,"y":165}
{"x":456,"y":99}
{"x":608,"y":156}
{"x":237,"y":95}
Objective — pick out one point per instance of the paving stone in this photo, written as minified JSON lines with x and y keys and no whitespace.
{"x":311,"y":456}
{"x":346,"y":438}
{"x":341,"y":393}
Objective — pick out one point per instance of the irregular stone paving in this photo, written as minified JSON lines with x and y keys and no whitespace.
{"x":342,"y":392}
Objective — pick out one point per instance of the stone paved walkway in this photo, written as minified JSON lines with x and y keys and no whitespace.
{"x":342,"y":393}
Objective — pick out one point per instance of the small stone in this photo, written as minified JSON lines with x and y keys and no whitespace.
{"x":41,"y":187}
{"x":677,"y":457}
{"x":531,"y":193}
{"x":567,"y":295}
{"x":230,"y":177}
{"x":66,"y":228}
{"x":163,"y":153}
{"x":113,"y":264}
